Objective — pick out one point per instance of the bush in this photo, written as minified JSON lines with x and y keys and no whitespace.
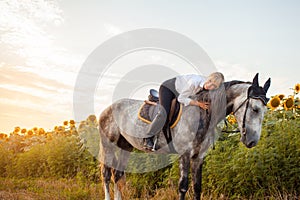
{"x":63,"y":155}
{"x":272,"y":166}
{"x":5,"y":161}
{"x":32,"y":163}
{"x":60,"y":157}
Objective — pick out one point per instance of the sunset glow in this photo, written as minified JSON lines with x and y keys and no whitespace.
{"x":43,"y":45}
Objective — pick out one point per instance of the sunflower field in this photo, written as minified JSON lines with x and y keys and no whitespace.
{"x":61,"y":163}
{"x":271,"y":170}
{"x":291,"y":102}
{"x":56,"y":157}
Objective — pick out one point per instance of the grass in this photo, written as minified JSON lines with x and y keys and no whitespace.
{"x":72,"y":189}
{"x":23,"y":189}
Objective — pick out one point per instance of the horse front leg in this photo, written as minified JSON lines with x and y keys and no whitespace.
{"x":184,"y":166}
{"x":197,"y":164}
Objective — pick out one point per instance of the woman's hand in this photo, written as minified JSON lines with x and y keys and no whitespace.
{"x":203,"y":105}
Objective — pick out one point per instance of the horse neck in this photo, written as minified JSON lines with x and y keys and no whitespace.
{"x":235,"y":95}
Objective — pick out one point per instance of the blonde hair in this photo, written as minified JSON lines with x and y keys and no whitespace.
{"x":216,"y":78}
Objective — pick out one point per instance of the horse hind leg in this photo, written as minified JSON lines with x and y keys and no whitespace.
{"x":122,"y":160}
{"x":107,"y":158}
{"x":112,"y":165}
{"x":119,"y":182}
{"x":106,"y":174}
{"x":119,"y":178}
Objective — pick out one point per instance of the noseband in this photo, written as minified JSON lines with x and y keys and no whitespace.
{"x":251,"y":94}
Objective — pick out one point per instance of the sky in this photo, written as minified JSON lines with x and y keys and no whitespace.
{"x":44,"y":44}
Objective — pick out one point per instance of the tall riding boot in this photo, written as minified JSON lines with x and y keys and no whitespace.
{"x":155,"y":127}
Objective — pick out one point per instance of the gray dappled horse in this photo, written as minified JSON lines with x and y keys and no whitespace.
{"x":121,"y":131}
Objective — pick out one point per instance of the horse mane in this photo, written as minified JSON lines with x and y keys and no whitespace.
{"x":204,"y":94}
{"x":216,"y":112}
{"x":228,"y":84}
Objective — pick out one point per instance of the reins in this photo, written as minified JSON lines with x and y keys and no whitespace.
{"x":249,"y":96}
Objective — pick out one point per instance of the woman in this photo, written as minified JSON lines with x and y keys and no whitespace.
{"x":180,"y":87}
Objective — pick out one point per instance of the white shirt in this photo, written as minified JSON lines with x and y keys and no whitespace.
{"x":187,"y":85}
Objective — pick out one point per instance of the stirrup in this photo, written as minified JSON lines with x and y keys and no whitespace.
{"x":148,"y":144}
{"x":154,"y":143}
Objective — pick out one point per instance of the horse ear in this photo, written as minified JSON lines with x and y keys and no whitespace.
{"x":255,"y":81}
{"x":267,"y":85}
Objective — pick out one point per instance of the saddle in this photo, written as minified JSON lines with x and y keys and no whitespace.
{"x":150,"y":108}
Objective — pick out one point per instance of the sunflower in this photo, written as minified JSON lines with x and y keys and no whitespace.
{"x":231,"y":119}
{"x":297,"y":88}
{"x":30,"y":132}
{"x":274,"y":103}
{"x":41,"y":131}
{"x":82,"y":125}
{"x":281,"y":96}
{"x":92,"y":118}
{"x":61,"y":129}
{"x":3,"y":136}
{"x":289,"y":103}
{"x":17,"y":129}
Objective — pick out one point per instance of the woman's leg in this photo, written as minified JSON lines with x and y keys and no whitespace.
{"x":165,"y":99}
{"x":167,"y":93}
{"x":161,"y":120}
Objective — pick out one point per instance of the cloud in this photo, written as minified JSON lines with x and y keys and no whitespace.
{"x":25,"y":38}
{"x":22,"y":23}
{"x":111,"y":29}
{"x":15,"y":76}
{"x":279,"y":84}
{"x":37,"y":76}
{"x":33,"y":92}
{"x":234,"y":71}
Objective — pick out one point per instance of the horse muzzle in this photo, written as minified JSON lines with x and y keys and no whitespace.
{"x":248,"y":138}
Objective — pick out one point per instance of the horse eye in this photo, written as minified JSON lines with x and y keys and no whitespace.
{"x":256,"y":110}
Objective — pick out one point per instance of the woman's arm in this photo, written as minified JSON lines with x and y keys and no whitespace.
{"x":184,"y":98}
{"x":186,"y":91}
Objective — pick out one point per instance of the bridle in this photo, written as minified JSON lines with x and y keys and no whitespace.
{"x":251,"y":94}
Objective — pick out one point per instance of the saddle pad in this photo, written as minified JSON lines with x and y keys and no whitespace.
{"x":147,"y":113}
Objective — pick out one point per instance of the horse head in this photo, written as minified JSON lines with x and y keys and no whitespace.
{"x":248,"y":102}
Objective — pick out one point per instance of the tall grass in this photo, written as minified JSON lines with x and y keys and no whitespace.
{"x":61,"y":167}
